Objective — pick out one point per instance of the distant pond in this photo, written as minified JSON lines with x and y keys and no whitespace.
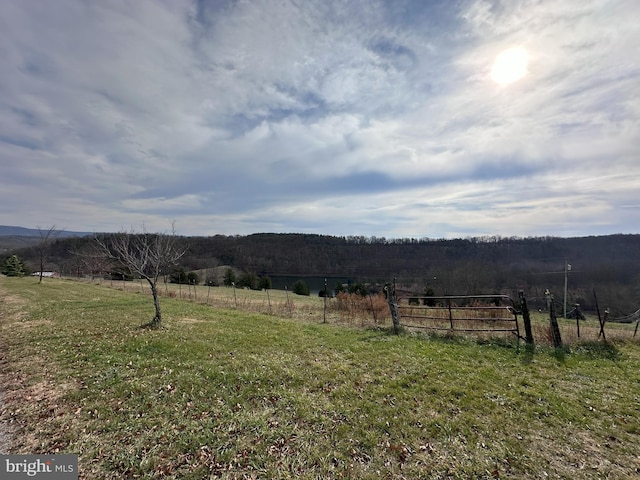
{"x":316,"y":284}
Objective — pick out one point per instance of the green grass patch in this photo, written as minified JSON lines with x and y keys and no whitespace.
{"x":219,"y":393}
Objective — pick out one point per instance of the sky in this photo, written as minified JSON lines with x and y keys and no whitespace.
{"x":376,"y":118}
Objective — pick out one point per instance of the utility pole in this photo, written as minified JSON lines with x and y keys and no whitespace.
{"x":567,"y":269}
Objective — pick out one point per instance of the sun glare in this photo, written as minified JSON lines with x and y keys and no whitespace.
{"x":509,"y":66}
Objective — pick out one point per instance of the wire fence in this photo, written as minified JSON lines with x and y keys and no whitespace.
{"x":372,"y":311}
{"x":347,"y":309}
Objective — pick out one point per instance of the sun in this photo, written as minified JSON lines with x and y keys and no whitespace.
{"x":509,"y":66}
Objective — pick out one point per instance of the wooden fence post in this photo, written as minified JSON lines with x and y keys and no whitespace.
{"x":553,"y":320}
{"x":268,"y":300}
{"x":599,"y":317}
{"x":235,"y":299}
{"x":324,"y":303}
{"x":526,"y":318}
{"x":393,"y":307}
{"x":286,"y":290}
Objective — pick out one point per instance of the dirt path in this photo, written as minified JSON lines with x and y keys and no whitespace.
{"x":5,"y":430}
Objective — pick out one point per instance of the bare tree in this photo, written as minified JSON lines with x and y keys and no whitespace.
{"x":43,"y":247}
{"x":91,"y":260}
{"x":149,"y":255}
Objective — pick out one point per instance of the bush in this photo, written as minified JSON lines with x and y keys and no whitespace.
{"x":300,"y":287}
{"x":264,"y":283}
{"x":248,"y":280}
{"x":178,"y":275}
{"x":340,"y":288}
{"x":358,"y":288}
{"x":192,"y":278}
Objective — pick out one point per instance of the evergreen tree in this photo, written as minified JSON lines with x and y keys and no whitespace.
{"x":248,"y":280}
{"x":300,"y":287}
{"x":264,"y":283}
{"x":229,"y":277}
{"x":178,"y":275}
{"x":192,"y":278}
{"x":14,"y":267}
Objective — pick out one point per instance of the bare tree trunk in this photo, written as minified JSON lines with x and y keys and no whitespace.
{"x":45,"y":239}
{"x":144,"y":254}
{"x":157,"y":319}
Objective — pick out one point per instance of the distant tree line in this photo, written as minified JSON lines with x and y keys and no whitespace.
{"x":609,"y":263}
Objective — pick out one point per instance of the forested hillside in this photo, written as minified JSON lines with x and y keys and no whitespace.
{"x":610,"y":264}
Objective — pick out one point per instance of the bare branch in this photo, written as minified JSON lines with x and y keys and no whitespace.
{"x":148,"y":255}
{"x":45,"y":238}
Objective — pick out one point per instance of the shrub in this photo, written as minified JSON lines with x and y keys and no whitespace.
{"x":248,"y":280}
{"x":192,"y":278}
{"x":300,"y":287}
{"x":358,"y":288}
{"x":264,"y":283}
{"x":178,"y":275}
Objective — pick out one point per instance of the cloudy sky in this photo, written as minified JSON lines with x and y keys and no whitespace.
{"x":386,"y":118}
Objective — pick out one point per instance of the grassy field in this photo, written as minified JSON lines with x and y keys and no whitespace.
{"x":225,"y":393}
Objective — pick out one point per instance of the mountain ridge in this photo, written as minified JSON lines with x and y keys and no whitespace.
{"x":16,"y":231}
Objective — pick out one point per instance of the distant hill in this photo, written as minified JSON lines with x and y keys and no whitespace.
{"x":12,"y":237}
{"x":609,"y":264}
{"x":11,"y":231}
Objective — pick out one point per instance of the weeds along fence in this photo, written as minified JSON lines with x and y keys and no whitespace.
{"x":371,"y":311}
{"x":347,"y":309}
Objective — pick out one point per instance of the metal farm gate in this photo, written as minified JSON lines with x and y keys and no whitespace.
{"x":459,"y":313}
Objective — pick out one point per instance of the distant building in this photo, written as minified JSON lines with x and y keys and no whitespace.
{"x":46,"y":274}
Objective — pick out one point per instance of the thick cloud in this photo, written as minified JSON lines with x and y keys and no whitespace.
{"x":374,"y":118}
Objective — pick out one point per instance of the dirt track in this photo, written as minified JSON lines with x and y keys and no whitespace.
{"x":5,"y":432}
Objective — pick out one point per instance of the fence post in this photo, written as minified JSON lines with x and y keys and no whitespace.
{"x":286,"y":291}
{"x":526,"y":318}
{"x":268,"y":300}
{"x":450,"y":313}
{"x":393,"y":307}
{"x":553,"y":320}
{"x":373,"y":310}
{"x":324,"y":304}
{"x":599,"y":317}
{"x":235,"y":299}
